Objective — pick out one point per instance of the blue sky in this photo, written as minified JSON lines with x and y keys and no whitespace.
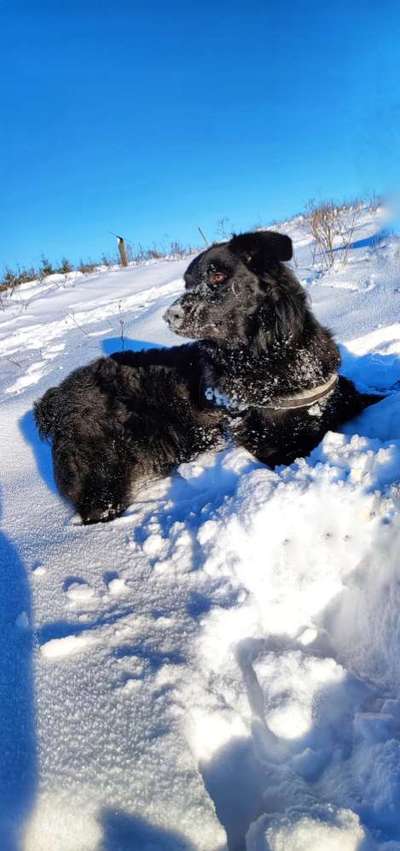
{"x":150,"y":118}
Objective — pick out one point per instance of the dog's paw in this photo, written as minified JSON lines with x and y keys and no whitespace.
{"x":101,"y":514}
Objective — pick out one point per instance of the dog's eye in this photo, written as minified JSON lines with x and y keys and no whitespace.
{"x":216,"y":276}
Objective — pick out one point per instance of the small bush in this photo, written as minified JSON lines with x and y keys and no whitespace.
{"x":11,"y":279}
{"x":45,"y":268}
{"x":178,"y":250}
{"x":87,"y":266}
{"x":155,"y":253}
{"x":107,"y":260}
{"x":65,"y":267}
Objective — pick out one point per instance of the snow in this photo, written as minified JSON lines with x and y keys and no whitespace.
{"x":57,"y":648}
{"x":218,"y":668}
{"x":334,"y":831}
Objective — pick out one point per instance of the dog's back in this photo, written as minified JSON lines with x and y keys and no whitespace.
{"x":45,"y":412}
{"x":128,"y":417}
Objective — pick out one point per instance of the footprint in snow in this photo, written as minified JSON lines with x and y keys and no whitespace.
{"x":38,"y":569}
{"x":79,"y":593}
{"x":115,"y":585}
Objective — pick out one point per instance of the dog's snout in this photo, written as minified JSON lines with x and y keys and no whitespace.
{"x":174,"y":316}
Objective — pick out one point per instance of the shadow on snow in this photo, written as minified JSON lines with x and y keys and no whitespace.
{"x":124,"y":832}
{"x":17,"y":733}
{"x":110,"y":345}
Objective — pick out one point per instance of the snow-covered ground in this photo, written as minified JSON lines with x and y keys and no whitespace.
{"x":219,"y":667}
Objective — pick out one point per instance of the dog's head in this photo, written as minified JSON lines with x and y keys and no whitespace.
{"x":239,"y":292}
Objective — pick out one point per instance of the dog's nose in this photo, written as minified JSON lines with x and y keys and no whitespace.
{"x":174,"y":316}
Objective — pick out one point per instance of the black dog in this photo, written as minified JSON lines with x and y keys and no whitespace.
{"x":263,"y":371}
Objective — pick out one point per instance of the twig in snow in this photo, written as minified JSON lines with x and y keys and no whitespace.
{"x":122,"y":325}
{"x":77,"y":324}
{"x":14,"y":362}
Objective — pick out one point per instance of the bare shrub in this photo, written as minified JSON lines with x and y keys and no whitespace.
{"x":223,"y":231}
{"x":321,"y":219}
{"x":155,"y":253}
{"x":176,"y":249}
{"x":332,"y":227}
{"x":347,"y":220}
{"x":375,"y":201}
{"x":86,"y":266}
{"x":108,"y":260}
{"x":139,"y":254}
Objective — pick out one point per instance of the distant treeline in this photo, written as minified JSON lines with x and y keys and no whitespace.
{"x":330,"y":224}
{"x":12,"y":278}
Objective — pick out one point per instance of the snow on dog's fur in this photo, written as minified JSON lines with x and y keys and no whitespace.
{"x":262,"y":371}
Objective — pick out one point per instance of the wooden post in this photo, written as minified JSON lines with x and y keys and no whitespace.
{"x":122,"y":251}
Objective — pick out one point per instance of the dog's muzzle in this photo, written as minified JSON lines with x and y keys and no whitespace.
{"x":174,"y":316}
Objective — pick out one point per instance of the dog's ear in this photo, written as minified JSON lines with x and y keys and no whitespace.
{"x":260,"y":249}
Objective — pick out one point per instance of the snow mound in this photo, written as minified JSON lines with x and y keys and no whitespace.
{"x":58,"y":648}
{"x":334,"y":830}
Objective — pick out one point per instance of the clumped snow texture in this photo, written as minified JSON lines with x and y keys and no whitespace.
{"x":219,"y":667}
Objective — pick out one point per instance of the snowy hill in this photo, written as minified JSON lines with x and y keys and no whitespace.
{"x":219,"y":667}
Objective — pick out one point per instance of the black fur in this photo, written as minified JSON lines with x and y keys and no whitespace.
{"x":136,"y":415}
